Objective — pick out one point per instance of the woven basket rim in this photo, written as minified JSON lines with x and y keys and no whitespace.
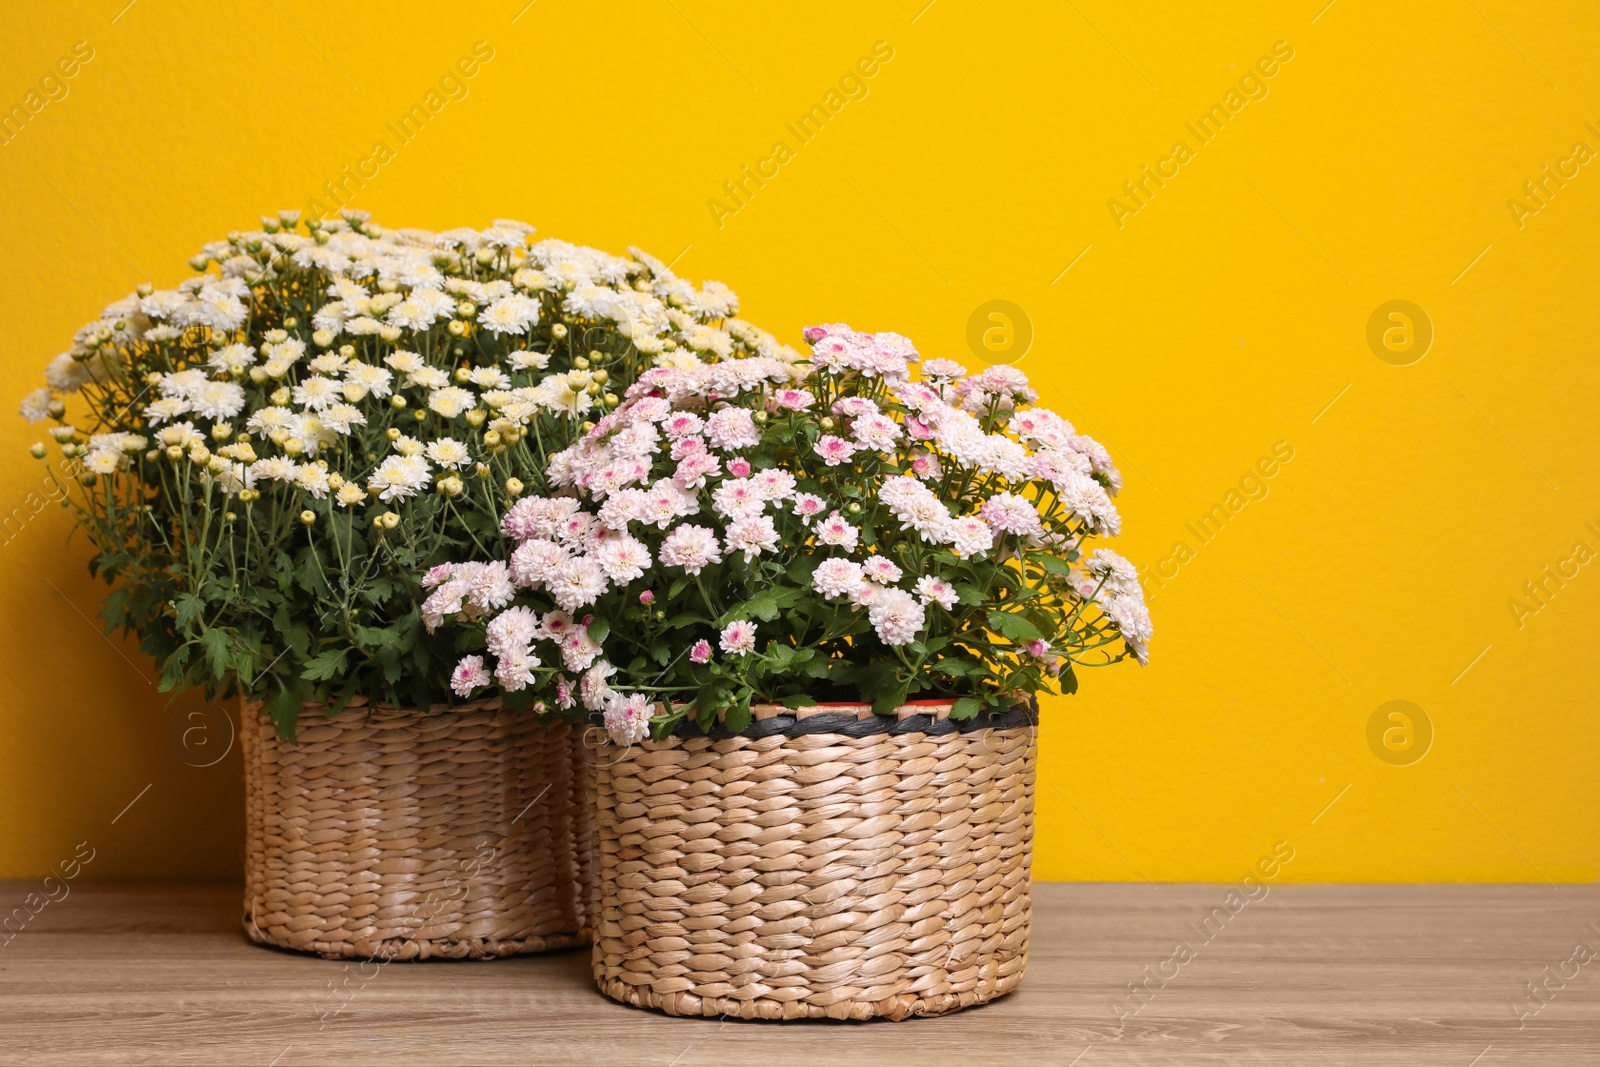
{"x":858,"y":720}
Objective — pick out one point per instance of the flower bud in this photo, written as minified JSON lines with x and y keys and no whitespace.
{"x":476,"y":417}
{"x":37,"y":450}
{"x":483,"y":470}
{"x":661,"y":616}
{"x":348,"y":351}
{"x":558,"y":331}
{"x":514,"y":486}
{"x":451,"y":485}
{"x":390,"y":520}
{"x":647,"y":597}
{"x":601,"y":375}
{"x":397,"y":402}
{"x":466,"y":308}
{"x":199,"y":261}
{"x":457,"y":328}
{"x":56,"y":408}
{"x":611,"y":400}
{"x":463,"y":375}
{"x":294,"y":446}
{"x":491,"y":438}
{"x":322,"y":338}
{"x":281,"y":396}
{"x":827,"y":422}
{"x":854,"y":508}
{"x":230,"y":517}
{"x":581,"y":363}
{"x":174,"y":452}
{"x":89,"y":478}
{"x":199,"y":453}
{"x":390,"y":334}
{"x":760,"y":416}
{"x":221,"y":431}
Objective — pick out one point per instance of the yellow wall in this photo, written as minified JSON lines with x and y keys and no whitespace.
{"x":1222,"y":318}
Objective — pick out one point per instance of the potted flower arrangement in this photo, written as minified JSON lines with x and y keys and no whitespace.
{"x":267,"y":457}
{"x":812,"y":605}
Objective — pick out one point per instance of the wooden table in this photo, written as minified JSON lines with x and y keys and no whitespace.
{"x":1317,"y":975}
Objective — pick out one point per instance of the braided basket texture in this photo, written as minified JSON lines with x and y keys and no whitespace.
{"x":823,"y":863}
{"x":465,"y":833}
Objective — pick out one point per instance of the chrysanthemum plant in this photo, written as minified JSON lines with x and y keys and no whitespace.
{"x":269,"y":457}
{"x":752,"y":532}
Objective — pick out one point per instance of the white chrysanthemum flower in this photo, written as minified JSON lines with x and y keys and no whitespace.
{"x":738,"y":638}
{"x":510,"y":315}
{"x":341,"y":418}
{"x":623,"y":559}
{"x":313,"y":478}
{"x":837,"y":576}
{"x":428,"y":378}
{"x":217,"y":400}
{"x":232,"y":359}
{"x":399,"y":477}
{"x":168,"y":407}
{"x":448,"y":452}
{"x":317,"y":393}
{"x":524,"y":359}
{"x":350,"y":494}
{"x":451,"y":401}
{"x":934,"y":590}
{"x":405,"y":362}
{"x":751,"y":535}
{"x":627,"y":720}
{"x":274,"y":469}
{"x":36,"y":405}
{"x":691,"y":547}
{"x":897,"y":616}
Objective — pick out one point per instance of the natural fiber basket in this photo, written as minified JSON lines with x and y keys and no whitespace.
{"x":389,"y":834}
{"x":823,"y":863}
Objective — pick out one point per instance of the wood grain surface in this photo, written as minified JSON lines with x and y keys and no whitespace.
{"x":1319,"y":975}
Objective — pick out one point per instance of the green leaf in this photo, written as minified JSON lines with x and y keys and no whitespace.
{"x":188,"y":606}
{"x":799,"y":700}
{"x":1053,"y":564}
{"x":969,"y":595}
{"x":325,"y":666}
{"x":215,"y":645}
{"x":599,"y":629}
{"x":966,"y":708}
{"x":1014,"y":627}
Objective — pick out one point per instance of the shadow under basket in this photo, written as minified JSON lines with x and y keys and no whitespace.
{"x":463,"y":833}
{"x":825,"y":863}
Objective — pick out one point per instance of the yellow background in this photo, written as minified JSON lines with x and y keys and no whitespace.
{"x":1223,"y":318}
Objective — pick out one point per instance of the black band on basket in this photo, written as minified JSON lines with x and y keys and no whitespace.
{"x":846,"y":723}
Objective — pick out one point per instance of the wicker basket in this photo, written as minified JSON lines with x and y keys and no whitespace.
{"x":385,"y":834}
{"x":825,"y":863}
